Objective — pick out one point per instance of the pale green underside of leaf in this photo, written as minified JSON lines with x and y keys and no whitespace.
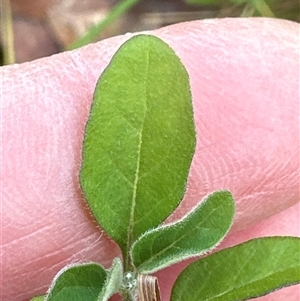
{"x":38,"y":298}
{"x":198,"y":232}
{"x":139,"y":140}
{"x":113,"y":280}
{"x":79,"y":282}
{"x":245,"y":271}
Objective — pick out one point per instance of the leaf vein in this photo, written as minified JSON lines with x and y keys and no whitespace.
{"x":135,"y":185}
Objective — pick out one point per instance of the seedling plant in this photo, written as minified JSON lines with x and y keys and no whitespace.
{"x":138,"y":146}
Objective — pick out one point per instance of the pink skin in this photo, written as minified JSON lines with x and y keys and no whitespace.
{"x":244,"y":79}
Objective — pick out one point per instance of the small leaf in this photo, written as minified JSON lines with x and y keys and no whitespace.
{"x":39,"y":298}
{"x":198,"y":232}
{"x":245,"y":271}
{"x":139,"y":140}
{"x":113,"y":280}
{"x":78,"y":282}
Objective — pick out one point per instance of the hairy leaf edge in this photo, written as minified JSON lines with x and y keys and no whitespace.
{"x":168,"y":225}
{"x":245,"y":243}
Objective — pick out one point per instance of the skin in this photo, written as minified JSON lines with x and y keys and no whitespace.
{"x":244,"y":78}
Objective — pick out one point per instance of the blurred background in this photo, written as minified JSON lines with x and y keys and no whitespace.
{"x":32,"y":29}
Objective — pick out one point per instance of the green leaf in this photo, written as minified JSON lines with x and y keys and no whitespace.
{"x":79,"y":282}
{"x":113,"y":280}
{"x":39,"y":298}
{"x":245,"y":271}
{"x":196,"y":233}
{"x":139,"y":140}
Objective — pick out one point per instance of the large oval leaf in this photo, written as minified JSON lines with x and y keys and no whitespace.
{"x":139,"y":140}
{"x":78,"y":282}
{"x":196,"y":233}
{"x":245,"y":271}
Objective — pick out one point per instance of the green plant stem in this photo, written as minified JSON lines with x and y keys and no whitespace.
{"x":126,"y":295}
{"x":262,"y":7}
{"x":95,"y":30}
{"x":248,"y":11}
{"x":8,"y":33}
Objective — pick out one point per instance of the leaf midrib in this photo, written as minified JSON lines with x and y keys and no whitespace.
{"x":257,"y":280}
{"x":136,"y":179}
{"x":230,"y":290}
{"x":157,"y":255}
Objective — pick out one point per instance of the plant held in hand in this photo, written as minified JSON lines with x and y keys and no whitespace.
{"x":138,"y":146}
